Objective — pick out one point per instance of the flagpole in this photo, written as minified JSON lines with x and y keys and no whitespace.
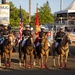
{"x":29,"y":11}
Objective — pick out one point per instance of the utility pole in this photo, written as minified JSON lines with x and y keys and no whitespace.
{"x":3,"y":1}
{"x":29,"y":11}
{"x":61,"y":5}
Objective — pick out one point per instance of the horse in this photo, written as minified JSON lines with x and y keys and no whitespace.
{"x":1,"y":49}
{"x":44,"y":49}
{"x":62,"y":51}
{"x":27,"y":49}
{"x":8,"y":49}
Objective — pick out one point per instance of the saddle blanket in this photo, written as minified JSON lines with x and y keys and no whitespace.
{"x":56,"y":44}
{"x":23,"y":42}
{"x":38,"y":43}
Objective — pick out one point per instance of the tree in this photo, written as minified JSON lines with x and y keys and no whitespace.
{"x":15,"y":15}
{"x":45,"y":15}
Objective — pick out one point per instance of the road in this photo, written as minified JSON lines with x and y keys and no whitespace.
{"x":17,"y":70}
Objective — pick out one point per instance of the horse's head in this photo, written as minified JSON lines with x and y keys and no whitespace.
{"x":11,"y":38}
{"x":66,"y":39}
{"x":44,"y":40}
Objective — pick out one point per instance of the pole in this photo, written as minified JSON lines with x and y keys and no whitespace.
{"x":29,"y":11}
{"x":61,"y":5}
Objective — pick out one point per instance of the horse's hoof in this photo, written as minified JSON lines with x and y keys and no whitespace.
{"x":9,"y":64}
{"x":31,"y":65}
{"x":25,"y":65}
{"x":65,"y":66}
{"x":42,"y":66}
{"x":46,"y":66}
{"x":61,"y":65}
{"x":6,"y":65}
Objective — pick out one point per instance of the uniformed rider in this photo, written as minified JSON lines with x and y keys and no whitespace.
{"x":41,"y":33}
{"x":59,"y":36}
{"x":26,"y":33}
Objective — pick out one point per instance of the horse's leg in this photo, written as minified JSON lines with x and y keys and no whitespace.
{"x":10,"y":56}
{"x":31,"y":57}
{"x":0,"y":60}
{"x":59,"y":60}
{"x":5,"y":56}
{"x":34,"y":57}
{"x":66,"y":58}
{"x":20,"y":56}
{"x":46,"y":59}
{"x":53,"y":51}
{"x":41,"y":60}
{"x":25,"y":60}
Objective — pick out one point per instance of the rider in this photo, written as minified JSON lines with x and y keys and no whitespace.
{"x":59,"y":36}
{"x":41,"y":33}
{"x":26,"y":33}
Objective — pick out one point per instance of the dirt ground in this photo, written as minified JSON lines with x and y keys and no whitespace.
{"x":15,"y":69}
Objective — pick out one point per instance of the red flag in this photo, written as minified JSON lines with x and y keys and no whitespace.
{"x":21,"y":28}
{"x":37,"y":20}
{"x":37,"y":27}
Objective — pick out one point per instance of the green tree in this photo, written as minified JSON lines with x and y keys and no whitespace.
{"x":45,"y":15}
{"x":15,"y":16}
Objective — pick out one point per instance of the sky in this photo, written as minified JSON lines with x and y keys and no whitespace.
{"x":54,"y":4}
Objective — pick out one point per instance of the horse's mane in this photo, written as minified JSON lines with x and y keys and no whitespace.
{"x":64,"y":40}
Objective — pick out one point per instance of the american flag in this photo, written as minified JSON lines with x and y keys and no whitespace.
{"x":21,"y":28}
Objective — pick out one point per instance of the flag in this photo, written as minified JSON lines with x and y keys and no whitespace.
{"x":21,"y":27}
{"x":37,"y":26}
{"x":37,"y":20}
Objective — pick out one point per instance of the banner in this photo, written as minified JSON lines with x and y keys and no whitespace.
{"x":4,"y":14}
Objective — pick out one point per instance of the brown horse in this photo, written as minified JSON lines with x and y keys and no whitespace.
{"x":63,"y":49}
{"x":44,"y":50}
{"x":27,"y":49}
{"x":8,"y":48}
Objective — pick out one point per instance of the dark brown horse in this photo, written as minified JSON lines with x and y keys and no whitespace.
{"x":27,"y":49}
{"x":1,"y":49}
{"x":63,"y":50}
{"x":8,"y":48}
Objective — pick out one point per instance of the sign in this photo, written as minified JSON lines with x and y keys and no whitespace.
{"x":4,"y":13}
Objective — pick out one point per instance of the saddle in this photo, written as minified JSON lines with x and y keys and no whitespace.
{"x":58,"y":50}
